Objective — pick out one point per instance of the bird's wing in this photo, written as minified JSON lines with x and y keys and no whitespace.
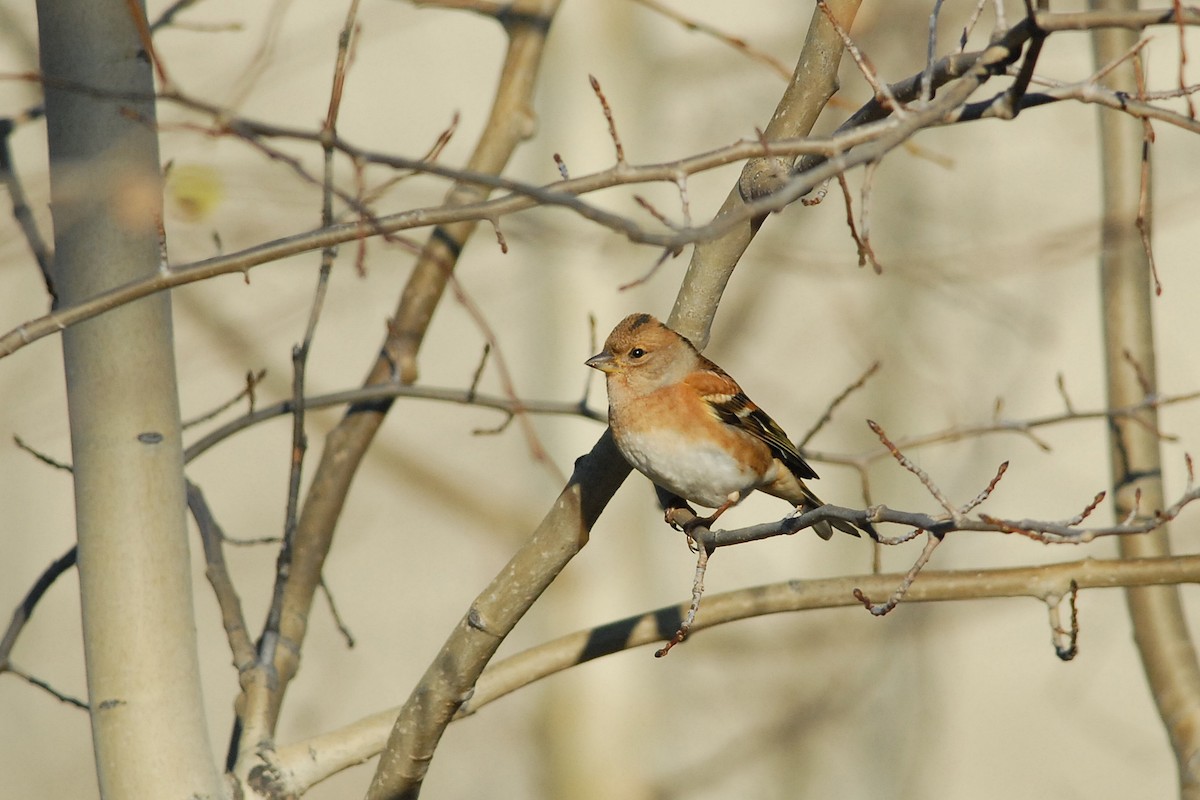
{"x":731,"y":405}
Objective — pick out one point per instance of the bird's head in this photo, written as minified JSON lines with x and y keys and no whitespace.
{"x":642,"y":355}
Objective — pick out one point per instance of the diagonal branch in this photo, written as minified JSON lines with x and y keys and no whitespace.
{"x":24,"y":610}
{"x":345,"y":446}
{"x":450,"y":678}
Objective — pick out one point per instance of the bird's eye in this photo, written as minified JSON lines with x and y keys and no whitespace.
{"x":637,"y":352}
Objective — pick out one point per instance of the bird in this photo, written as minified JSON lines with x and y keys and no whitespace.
{"x":686,"y":424}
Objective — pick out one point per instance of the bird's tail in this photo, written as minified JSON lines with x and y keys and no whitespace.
{"x":824,"y":528}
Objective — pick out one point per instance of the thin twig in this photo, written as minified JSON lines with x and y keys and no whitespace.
{"x":383,"y":392}
{"x":931,"y":51}
{"x":483,"y":358}
{"x":40,"y":456}
{"x":169,"y":13}
{"x":1087,"y":510}
{"x":1139,"y":371}
{"x":1065,"y":639}
{"x":608,"y":116}
{"x":252,"y":381}
{"x":532,"y":440}
{"x":921,"y":474}
{"x":500,"y":240}
{"x":24,"y":609}
{"x":137,"y":13}
{"x":1129,"y":54}
{"x":45,"y":686}
{"x":654,"y":212}
{"x":681,"y":182}
{"x":212,"y":538}
{"x":841,"y":397}
{"x":342,"y":627}
{"x":431,"y":156}
{"x":702,"y":554}
{"x":650,"y":273}
{"x":1143,"y":212}
{"x":880,"y":609}
{"x":970,"y":506}
{"x":881,"y":140}
{"x":1060,"y":383}
{"x":882,"y":91}
{"x":869,"y":170}
{"x":1025,"y":427}
{"x":863,"y":247}
{"x":736,"y":42}
{"x":20,"y":207}
{"x":971,"y":23}
{"x":1183,"y":56}
{"x":934,"y":539}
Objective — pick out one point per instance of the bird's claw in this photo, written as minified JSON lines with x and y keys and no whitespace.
{"x":680,"y":516}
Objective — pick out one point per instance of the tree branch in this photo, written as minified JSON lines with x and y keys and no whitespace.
{"x":304,"y":764}
{"x":346,"y":445}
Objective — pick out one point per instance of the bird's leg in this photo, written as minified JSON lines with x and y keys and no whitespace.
{"x":707,"y":522}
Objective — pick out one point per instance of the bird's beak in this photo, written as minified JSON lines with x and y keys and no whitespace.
{"x":602,"y":361}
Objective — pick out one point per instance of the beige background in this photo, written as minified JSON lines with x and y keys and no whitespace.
{"x":989,"y":290}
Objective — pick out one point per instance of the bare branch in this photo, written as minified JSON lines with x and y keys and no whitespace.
{"x":40,"y":456}
{"x":1037,"y":582}
{"x":20,"y":208}
{"x":880,"y":609}
{"x":62,"y":697}
{"x":536,"y":450}
{"x":385,"y":392}
{"x":1183,"y":56}
{"x":883,"y":92}
{"x":608,"y":116}
{"x":1127,"y":19}
{"x":865,"y":253}
{"x":921,"y":474}
{"x":24,"y":610}
{"x":689,"y":619}
{"x":252,"y":381}
{"x":1065,"y":639}
{"x":1048,"y":532}
{"x":650,"y":273}
{"x":991,"y":487}
{"x":827,"y":416}
{"x":212,"y":538}
{"x":1024,"y":427}
{"x":342,"y":627}
{"x":736,"y":42}
{"x":308,"y":762}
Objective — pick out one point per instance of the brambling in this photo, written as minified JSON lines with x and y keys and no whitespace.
{"x":685,"y":424}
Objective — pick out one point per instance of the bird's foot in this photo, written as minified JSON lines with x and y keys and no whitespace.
{"x":679,"y":515}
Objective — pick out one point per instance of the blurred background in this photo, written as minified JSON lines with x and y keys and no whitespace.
{"x":988,"y":237}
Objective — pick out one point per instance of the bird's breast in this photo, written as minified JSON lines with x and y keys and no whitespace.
{"x":701,"y":472}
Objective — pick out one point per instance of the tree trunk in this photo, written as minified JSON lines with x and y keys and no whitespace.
{"x":148,"y":726}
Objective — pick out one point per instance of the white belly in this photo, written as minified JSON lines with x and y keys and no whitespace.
{"x":703,"y":475}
